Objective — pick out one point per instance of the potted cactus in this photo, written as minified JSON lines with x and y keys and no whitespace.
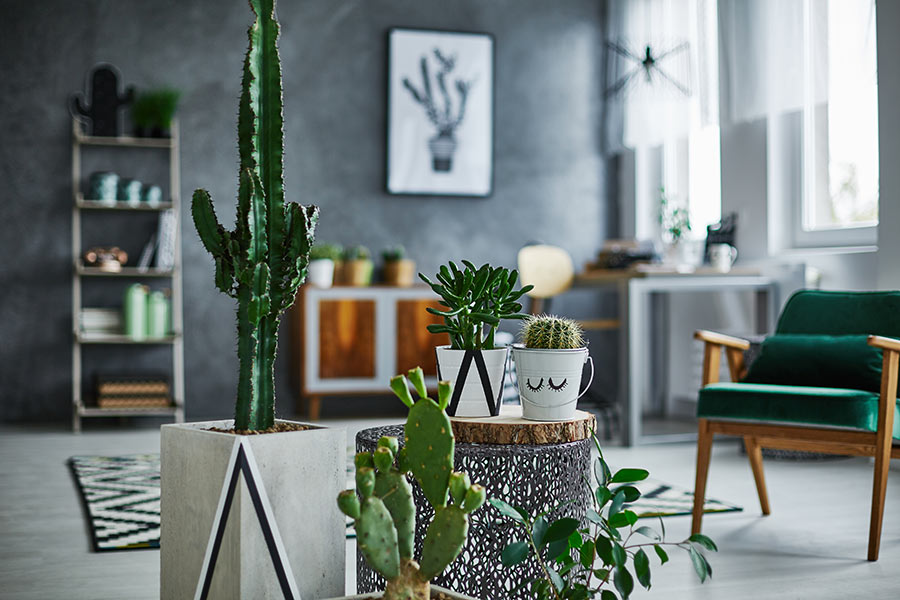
{"x":382,"y":506}
{"x":357,"y":266}
{"x":322,"y":258}
{"x":153,"y":112}
{"x":235,"y":505}
{"x":549,"y":364}
{"x":475,"y":301}
{"x":398,"y":270}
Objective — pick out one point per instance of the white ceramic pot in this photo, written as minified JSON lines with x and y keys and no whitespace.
{"x":321,"y":272}
{"x":549,"y":380}
{"x":472,"y":401}
{"x":298,"y":476}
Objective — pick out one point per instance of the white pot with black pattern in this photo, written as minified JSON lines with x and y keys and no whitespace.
{"x":549,"y":381}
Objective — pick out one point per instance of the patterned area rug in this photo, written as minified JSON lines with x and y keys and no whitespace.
{"x":121,"y":498}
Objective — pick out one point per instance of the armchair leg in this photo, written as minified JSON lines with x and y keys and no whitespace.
{"x":754,"y":453}
{"x":704,"y":446}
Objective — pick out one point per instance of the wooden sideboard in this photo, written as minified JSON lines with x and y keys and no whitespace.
{"x":352,"y":340}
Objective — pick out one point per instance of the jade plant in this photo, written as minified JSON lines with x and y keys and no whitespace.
{"x":263,"y":261}
{"x":476,"y":300}
{"x":580,"y":559}
{"x":552,"y":333}
{"x":382,"y":506}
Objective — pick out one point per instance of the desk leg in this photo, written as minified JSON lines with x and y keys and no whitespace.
{"x":624,"y":373}
{"x":638,"y":361}
{"x":765,"y":310}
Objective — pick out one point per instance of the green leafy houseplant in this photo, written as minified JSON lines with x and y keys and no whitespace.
{"x":263,"y":261}
{"x":675,"y":220}
{"x":153,"y":111}
{"x":384,"y":513}
{"x":567,"y":553}
{"x":476,"y":300}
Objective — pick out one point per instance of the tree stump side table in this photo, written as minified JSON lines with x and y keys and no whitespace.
{"x":535,"y":465}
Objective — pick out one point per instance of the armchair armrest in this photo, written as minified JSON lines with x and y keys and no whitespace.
{"x":734,"y":352}
{"x":884,"y":343}
{"x":720,"y":339}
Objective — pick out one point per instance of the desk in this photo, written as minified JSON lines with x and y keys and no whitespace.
{"x":635,"y":289}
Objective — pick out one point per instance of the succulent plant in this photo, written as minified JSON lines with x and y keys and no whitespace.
{"x":357,"y":253}
{"x":264,"y":260}
{"x":476,"y":300}
{"x":382,"y":506}
{"x":552,"y":333}
{"x":155,"y":108}
{"x":322,"y":251}
{"x":394,"y":253}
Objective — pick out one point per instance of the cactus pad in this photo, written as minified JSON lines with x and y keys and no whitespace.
{"x":377,"y":538}
{"x":429,"y":446}
{"x":444,"y":540}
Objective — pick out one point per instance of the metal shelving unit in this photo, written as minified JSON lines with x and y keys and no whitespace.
{"x":79,"y":271}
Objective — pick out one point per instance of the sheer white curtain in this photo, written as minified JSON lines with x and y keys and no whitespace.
{"x":682,"y":95}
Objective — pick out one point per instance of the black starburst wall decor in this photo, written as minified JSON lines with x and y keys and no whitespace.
{"x":650,"y":65}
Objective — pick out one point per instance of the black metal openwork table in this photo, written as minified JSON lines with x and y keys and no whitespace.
{"x":534,"y":477}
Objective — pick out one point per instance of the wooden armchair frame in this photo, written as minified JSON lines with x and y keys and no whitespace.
{"x":878,"y":444}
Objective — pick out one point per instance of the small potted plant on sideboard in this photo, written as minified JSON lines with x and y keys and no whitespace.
{"x":357,"y":266}
{"x":475,"y":301}
{"x":322,"y":258}
{"x":399,"y":270}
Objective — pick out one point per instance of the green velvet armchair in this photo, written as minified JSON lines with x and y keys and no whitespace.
{"x":826,"y":381}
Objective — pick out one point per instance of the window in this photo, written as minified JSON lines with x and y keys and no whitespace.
{"x":692,"y":177}
{"x":840,"y":125}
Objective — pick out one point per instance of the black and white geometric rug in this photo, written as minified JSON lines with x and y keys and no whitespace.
{"x":121,"y":499}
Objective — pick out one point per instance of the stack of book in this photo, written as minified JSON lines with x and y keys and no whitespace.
{"x":133,"y":391}
{"x":100,"y":321}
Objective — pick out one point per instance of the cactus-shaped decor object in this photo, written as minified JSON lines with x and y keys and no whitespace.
{"x":552,"y":333}
{"x":263,"y":261}
{"x":105,"y":102}
{"x":382,"y":505}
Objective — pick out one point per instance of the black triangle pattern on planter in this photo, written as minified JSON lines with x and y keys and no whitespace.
{"x":243,"y":463}
{"x":493,"y":403}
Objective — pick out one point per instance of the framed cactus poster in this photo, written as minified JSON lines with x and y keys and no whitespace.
{"x":440,"y":113}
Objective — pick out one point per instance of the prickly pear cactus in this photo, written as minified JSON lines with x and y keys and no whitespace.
{"x":263,"y":261}
{"x":553,"y":333}
{"x":384,"y":513}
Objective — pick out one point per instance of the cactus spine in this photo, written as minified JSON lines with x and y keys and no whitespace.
{"x":264,"y":260}
{"x":552,"y":333}
{"x":385,"y":516}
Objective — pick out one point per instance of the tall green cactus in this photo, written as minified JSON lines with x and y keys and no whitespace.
{"x":264,"y":260}
{"x":385,"y":516}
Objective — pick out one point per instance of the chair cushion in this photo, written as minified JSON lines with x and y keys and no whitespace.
{"x":795,"y":404}
{"x":833,"y":361}
{"x":841,"y":313}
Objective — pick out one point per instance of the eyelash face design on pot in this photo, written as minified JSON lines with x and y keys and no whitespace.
{"x":534,"y":388}
{"x":557,"y":388}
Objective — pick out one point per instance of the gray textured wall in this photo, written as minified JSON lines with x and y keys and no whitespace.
{"x":550,"y":182}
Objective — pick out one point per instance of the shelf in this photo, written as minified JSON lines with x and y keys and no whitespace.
{"x":83,"y":204}
{"x":90,"y":411}
{"x":123,"y":141}
{"x":127,"y":272}
{"x":118,"y":338}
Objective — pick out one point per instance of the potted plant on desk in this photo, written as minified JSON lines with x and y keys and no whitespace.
{"x":384,"y":513}
{"x":239,"y":511}
{"x":475,"y":301}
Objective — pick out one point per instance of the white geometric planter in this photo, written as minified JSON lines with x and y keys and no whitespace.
{"x":548,"y":381}
{"x":472,"y":396}
{"x":297,"y":476}
{"x":320,"y":272}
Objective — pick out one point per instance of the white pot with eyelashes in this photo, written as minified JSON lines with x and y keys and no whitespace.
{"x":549,"y":381}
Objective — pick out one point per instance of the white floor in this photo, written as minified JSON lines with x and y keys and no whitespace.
{"x":812,"y":546}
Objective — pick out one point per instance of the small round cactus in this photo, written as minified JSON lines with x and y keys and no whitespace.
{"x":552,"y":333}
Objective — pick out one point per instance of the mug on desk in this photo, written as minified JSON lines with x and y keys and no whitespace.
{"x":722,"y":257}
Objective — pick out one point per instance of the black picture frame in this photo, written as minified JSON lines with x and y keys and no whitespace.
{"x":440,"y":134}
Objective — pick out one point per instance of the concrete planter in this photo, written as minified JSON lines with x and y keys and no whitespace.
{"x":286,"y":486}
{"x":434,"y":589}
{"x":472,"y":401}
{"x":549,"y":380}
{"x":321,"y":272}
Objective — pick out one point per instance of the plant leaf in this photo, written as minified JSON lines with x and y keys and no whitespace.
{"x":607,"y":595}
{"x":604,"y":550}
{"x":586,"y":554}
{"x":663,"y":557}
{"x":617,"y":502}
{"x":556,"y":579}
{"x":623,"y":581}
{"x":620,"y":557}
{"x":538,"y":531}
{"x":648,"y":532}
{"x":699,"y":538}
{"x":575,"y":540}
{"x":594,"y":517}
{"x":631,"y":492}
{"x":629,"y":475}
{"x":557,"y":548}
{"x":601,"y":472}
{"x":506,"y":509}
{"x":603,"y":495}
{"x":514,"y":553}
{"x":700,"y":564}
{"x":642,"y":568}
{"x":561,"y":529}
